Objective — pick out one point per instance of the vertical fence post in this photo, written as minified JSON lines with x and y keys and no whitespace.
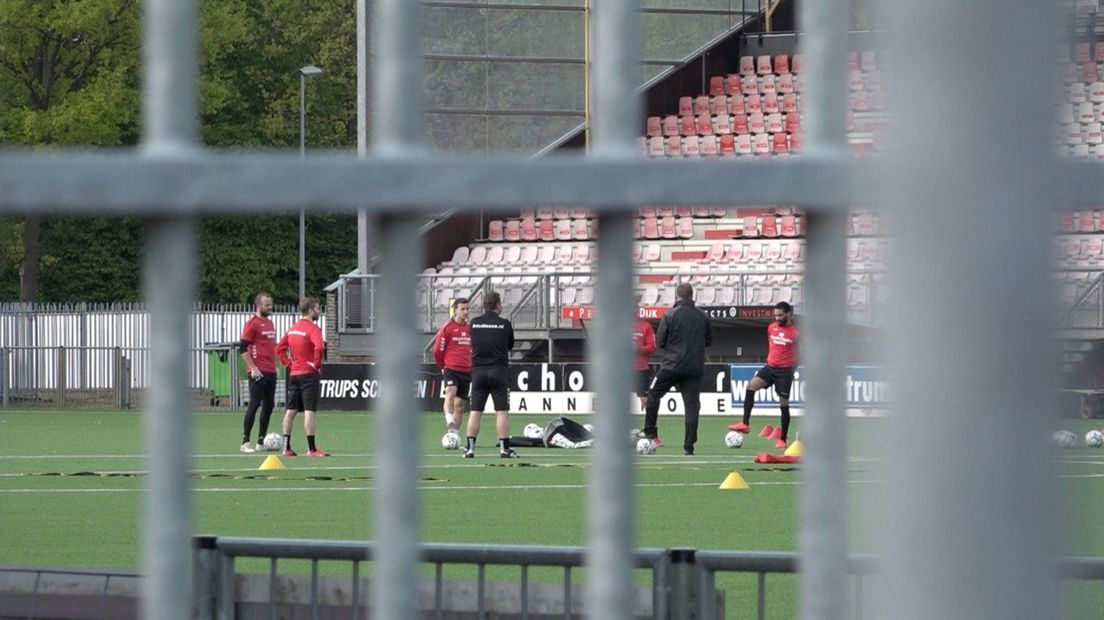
{"x":5,"y":366}
{"x":60,"y":368}
{"x":683,"y":585}
{"x":117,"y":375}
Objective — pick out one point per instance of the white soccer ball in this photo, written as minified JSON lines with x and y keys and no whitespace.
{"x":1064,"y":439}
{"x":645,"y":446}
{"x":533,"y":431}
{"x":273,"y":442}
{"x":1094,"y":439}
{"x":734,"y":439}
{"x":589,"y":427}
{"x":450,"y":441}
{"x":635,"y":434}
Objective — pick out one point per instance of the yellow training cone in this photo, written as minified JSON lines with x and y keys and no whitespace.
{"x":734,"y":481}
{"x":795,"y":449}
{"x":271,"y":462}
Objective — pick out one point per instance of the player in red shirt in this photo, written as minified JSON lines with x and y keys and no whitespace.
{"x":644,"y":339}
{"x":258,"y":349}
{"x":452,"y":351}
{"x":782,"y":336}
{"x":304,"y":340}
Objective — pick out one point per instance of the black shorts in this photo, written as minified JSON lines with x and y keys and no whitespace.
{"x":493,"y":381}
{"x":643,"y":382}
{"x":302,"y":392}
{"x":461,"y":380}
{"x":780,"y":378}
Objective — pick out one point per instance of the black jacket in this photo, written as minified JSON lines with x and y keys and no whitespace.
{"x":684,"y":333}
{"x":492,"y":337}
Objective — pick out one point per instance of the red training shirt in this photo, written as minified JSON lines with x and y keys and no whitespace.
{"x":644,"y":338}
{"x":452,"y":348}
{"x":782,"y":341}
{"x":305,"y":341}
{"x":259,"y":337}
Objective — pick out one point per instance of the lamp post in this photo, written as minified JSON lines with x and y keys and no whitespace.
{"x":304,"y":73}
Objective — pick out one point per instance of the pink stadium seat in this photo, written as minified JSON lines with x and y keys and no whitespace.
{"x":654,"y":126}
{"x":528,"y":230}
{"x":547,"y":255}
{"x":1098,"y":51}
{"x":714,"y":254}
{"x":1094,"y":249}
{"x":852,"y":60}
{"x":781,"y":64}
{"x":561,"y":230}
{"x":687,"y":125}
{"x":855,"y":79}
{"x":1086,"y":221}
{"x":1096,"y":92}
{"x":1082,"y":52}
{"x":756,"y":123}
{"x":747,"y":65}
{"x":648,"y":212}
{"x":652,"y":253}
{"x":673,"y":146}
{"x":780,"y":143}
{"x":1086,"y":113}
{"x":743,"y":144}
{"x":495,"y":230}
{"x":716,"y":85}
{"x":668,"y":229}
{"x":545,"y":213}
{"x":477,"y":256}
{"x":753,"y":104}
{"x":561,"y":213}
{"x":685,"y":228}
{"x":670,"y":125}
{"x":773,"y":123}
{"x":655,"y":147}
{"x":722,"y":124}
{"x":749,"y":85}
{"x":691,"y":146}
{"x":736,"y":105}
{"x":513,"y":230}
{"x":495,"y":255}
{"x":459,"y":257}
{"x":529,"y":212}
{"x":740,"y":123}
{"x":578,"y":213}
{"x":579,"y":230}
{"x":651,"y":228}
{"x":638,"y":252}
{"x":530,"y":255}
{"x":704,"y":125}
{"x":732,"y":84}
{"x":753,"y":252}
{"x":797,"y":63}
{"x":767,"y":84}
{"x":763,"y":64}
{"x":864,"y":224}
{"x":751,"y":226}
{"x":787,"y":225}
{"x":701,"y":105}
{"x":772,"y":252}
{"x":546,"y":230}
{"x":792,"y":123}
{"x":770,"y":103}
{"x":796,"y":141}
{"x":1089,"y":72}
{"x":686,"y":106}
{"x":564,"y":253}
{"x":718,"y":105}
{"x":859,"y":101}
{"x":1065,"y":222}
{"x":789,"y":103}
{"x":709,"y":147}
{"x":727,"y":145}
{"x":786,"y":84}
{"x":791,"y":252}
{"x":868,"y":62}
{"x":1091,"y":133}
{"x":513,"y":255}
{"x":1070,"y":74}
{"x":684,"y":212}
{"x":580,"y":255}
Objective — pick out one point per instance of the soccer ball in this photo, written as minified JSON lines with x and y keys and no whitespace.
{"x":589,"y":427}
{"x":734,"y":439}
{"x":1094,"y":439}
{"x":273,"y":442}
{"x":1064,"y":439}
{"x":635,"y":434}
{"x":450,"y":441}
{"x":533,"y":431}
{"x":645,"y":446}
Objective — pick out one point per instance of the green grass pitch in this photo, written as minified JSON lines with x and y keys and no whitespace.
{"x":70,"y":487}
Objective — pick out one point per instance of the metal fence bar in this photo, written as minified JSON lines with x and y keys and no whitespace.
{"x":953,"y":525}
{"x":822,"y":521}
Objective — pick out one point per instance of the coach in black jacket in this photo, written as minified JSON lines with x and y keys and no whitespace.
{"x":683,"y":334}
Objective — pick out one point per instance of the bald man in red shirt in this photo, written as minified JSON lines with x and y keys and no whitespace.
{"x":304,"y":341}
{"x":782,"y":337}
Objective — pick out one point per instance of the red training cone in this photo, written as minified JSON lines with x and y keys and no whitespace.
{"x":777,"y":434}
{"x":767,"y":430}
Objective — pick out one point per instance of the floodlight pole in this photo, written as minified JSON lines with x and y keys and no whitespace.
{"x":309,"y":70}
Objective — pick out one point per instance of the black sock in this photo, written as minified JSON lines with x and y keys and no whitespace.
{"x":287,"y":442}
{"x":310,"y":442}
{"x":504,"y":444}
{"x":749,"y":402}
{"x":785,"y":420}
{"x":471,"y":443}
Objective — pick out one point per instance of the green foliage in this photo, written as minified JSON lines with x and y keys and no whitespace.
{"x":91,"y":259}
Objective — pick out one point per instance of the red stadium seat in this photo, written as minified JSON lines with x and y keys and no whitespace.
{"x":654,"y":127}
{"x":1098,"y":51}
{"x":740,"y":123}
{"x":716,"y":85}
{"x":687,"y":125}
{"x":732,"y":84}
{"x":727,"y":145}
{"x":753,"y":104}
{"x":495,"y":230}
{"x":718,"y":105}
{"x":780,"y":143}
{"x":1082,"y":53}
{"x":528,"y":230}
{"x":652,"y":252}
{"x":781,"y":64}
{"x":673,"y":146}
{"x":1096,"y":92}
{"x":772,"y":252}
{"x":736,"y":105}
{"x":852,"y":60}
{"x":797,"y":63}
{"x":546,"y":230}
{"x":792,"y":122}
{"x":1065,"y":222}
{"x":513,"y":230}
{"x":789,"y":103}
{"x":651,"y":228}
{"x":666,"y":212}
{"x":704,"y":125}
{"x":787,"y":225}
{"x":648,"y":211}
{"x":684,"y":211}
{"x":796,"y":141}
{"x":714,"y":254}
{"x":770,"y":103}
{"x":1089,"y":72}
{"x":685,"y":106}
{"x":769,"y":226}
{"x":1086,"y":221}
